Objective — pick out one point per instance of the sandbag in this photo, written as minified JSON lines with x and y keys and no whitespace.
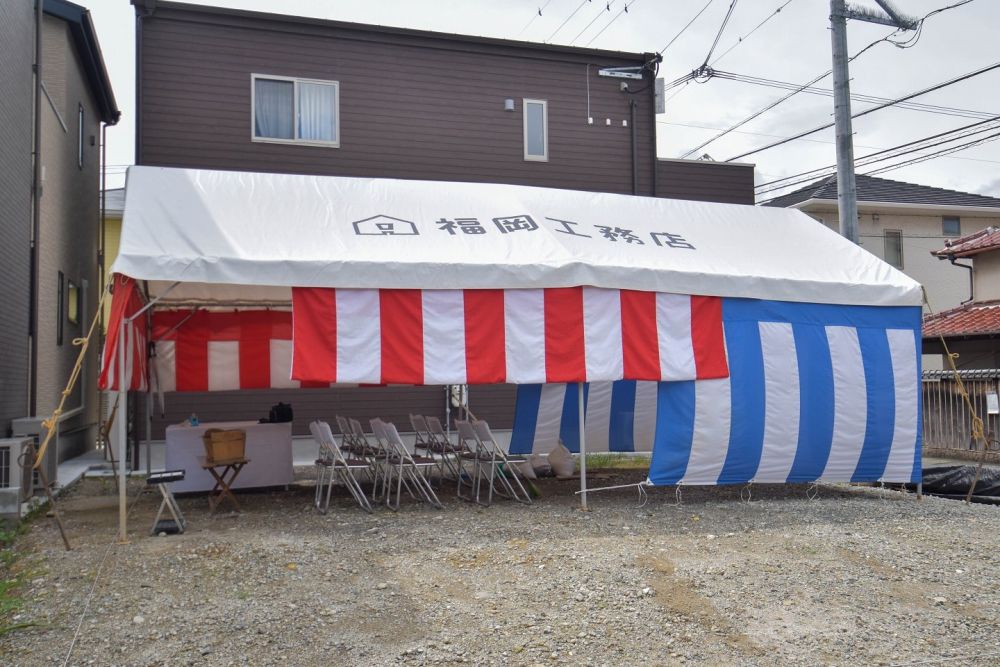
{"x":562,"y":461}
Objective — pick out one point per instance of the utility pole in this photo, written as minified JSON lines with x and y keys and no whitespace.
{"x":840,"y":11}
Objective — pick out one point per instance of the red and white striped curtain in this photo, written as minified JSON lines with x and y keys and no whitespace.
{"x":126,"y":301}
{"x":522,"y":336}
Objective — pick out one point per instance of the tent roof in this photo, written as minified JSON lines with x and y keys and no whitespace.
{"x":232,"y":233}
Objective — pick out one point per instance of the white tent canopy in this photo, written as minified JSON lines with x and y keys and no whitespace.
{"x":226,"y":235}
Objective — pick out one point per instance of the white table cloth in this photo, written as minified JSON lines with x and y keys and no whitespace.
{"x":269,"y":449}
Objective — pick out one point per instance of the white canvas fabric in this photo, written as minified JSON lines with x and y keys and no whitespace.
{"x":241,"y":230}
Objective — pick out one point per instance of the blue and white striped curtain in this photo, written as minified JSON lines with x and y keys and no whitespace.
{"x":815,"y":393}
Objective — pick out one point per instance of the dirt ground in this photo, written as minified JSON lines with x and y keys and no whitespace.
{"x":855,"y":576}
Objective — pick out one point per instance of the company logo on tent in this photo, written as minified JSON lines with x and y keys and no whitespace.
{"x":384,"y":225}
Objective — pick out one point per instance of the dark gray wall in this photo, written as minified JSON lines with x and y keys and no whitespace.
{"x":16,"y":55}
{"x":705,"y":181}
{"x":412,"y":106}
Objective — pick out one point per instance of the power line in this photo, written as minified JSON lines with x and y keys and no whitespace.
{"x":686,"y":26}
{"x":858,"y":97}
{"x":567,"y":19}
{"x":624,"y":10}
{"x":607,"y":7}
{"x":775,"y":103}
{"x":886,"y":154}
{"x":718,"y":35}
{"x":533,"y":17}
{"x":825,"y":74}
{"x":931,"y":156}
{"x":742,"y":38}
{"x":878,"y":107}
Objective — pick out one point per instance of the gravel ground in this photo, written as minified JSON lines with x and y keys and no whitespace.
{"x":855,"y":576}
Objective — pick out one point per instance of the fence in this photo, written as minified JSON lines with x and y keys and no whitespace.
{"x":947,"y":421}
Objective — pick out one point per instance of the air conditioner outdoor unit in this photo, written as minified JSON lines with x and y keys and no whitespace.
{"x":31,"y":427}
{"x":16,"y":457}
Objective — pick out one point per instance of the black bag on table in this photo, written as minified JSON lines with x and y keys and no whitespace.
{"x":282,"y":412}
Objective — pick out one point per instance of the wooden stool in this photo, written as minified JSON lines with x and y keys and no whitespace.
{"x":169,"y":503}
{"x":225,"y":473}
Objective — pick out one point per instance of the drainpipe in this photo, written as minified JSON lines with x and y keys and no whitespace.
{"x":972,"y":284}
{"x":635,"y":148}
{"x":36,"y":198}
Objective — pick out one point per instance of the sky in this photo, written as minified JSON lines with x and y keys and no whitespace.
{"x":793,"y":46}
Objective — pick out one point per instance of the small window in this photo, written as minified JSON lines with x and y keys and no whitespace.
{"x":72,"y":302}
{"x":60,"y":307}
{"x":951,"y":226}
{"x":894,"y":247}
{"x":288,"y":110}
{"x":536,"y":130}
{"x":79,"y":136}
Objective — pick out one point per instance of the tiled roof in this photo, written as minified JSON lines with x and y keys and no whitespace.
{"x":973,"y":319}
{"x":971,"y":244}
{"x":872,"y":189}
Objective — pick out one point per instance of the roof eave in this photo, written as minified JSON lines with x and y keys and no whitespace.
{"x":85,"y":38}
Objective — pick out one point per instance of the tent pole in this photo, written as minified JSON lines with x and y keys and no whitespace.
{"x":122,"y":428}
{"x":149,"y":432}
{"x":583,"y":448}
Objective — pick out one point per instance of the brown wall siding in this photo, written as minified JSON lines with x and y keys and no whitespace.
{"x":410,"y":108}
{"x":16,"y":43}
{"x":705,"y":181}
{"x":495,"y":404}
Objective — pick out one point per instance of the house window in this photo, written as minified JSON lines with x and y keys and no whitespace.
{"x":951,"y":226}
{"x":536,"y":130}
{"x":300,"y":111}
{"x":60,"y":307}
{"x":894,"y":247}
{"x":79,"y":136}
{"x":72,"y":302}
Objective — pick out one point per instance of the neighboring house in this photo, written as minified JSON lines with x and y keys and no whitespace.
{"x":902,"y":223}
{"x":230,"y":89}
{"x":49,"y":235}
{"x":973,"y":329}
{"x":113,"y":206}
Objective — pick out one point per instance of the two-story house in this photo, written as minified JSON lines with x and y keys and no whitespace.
{"x":237,"y":90}
{"x":972,"y":329}
{"x":56,"y":98}
{"x":902,"y":223}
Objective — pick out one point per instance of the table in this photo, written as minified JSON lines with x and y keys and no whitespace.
{"x":268,"y":445}
{"x":223,"y":480}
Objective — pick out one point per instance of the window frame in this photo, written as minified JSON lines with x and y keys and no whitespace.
{"x":948,"y":218}
{"x":544,"y":157}
{"x":897,"y":233}
{"x":295,"y":141}
{"x":80,"y":135}
{"x":60,"y":308}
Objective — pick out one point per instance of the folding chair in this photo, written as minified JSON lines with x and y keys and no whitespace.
{"x":434,"y":446}
{"x":408,"y":470}
{"x":484,"y":465}
{"x":508,"y":475}
{"x":332,"y":463}
{"x":348,"y":441}
{"x":160,"y":480}
{"x":374,"y":454}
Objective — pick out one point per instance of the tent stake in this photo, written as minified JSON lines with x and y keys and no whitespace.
{"x":583,"y":449}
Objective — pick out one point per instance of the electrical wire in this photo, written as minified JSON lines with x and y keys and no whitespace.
{"x":858,"y":97}
{"x":947,"y":137}
{"x":887,"y":154}
{"x":686,"y":26}
{"x":567,"y":19}
{"x":718,"y":35}
{"x":533,"y":17}
{"x":624,"y":10}
{"x":878,"y":107}
{"x":791,"y":94}
{"x":742,"y":38}
{"x":607,"y":7}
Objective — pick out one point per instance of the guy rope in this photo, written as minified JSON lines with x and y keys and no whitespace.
{"x":52,"y":422}
{"x":978,"y":433}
